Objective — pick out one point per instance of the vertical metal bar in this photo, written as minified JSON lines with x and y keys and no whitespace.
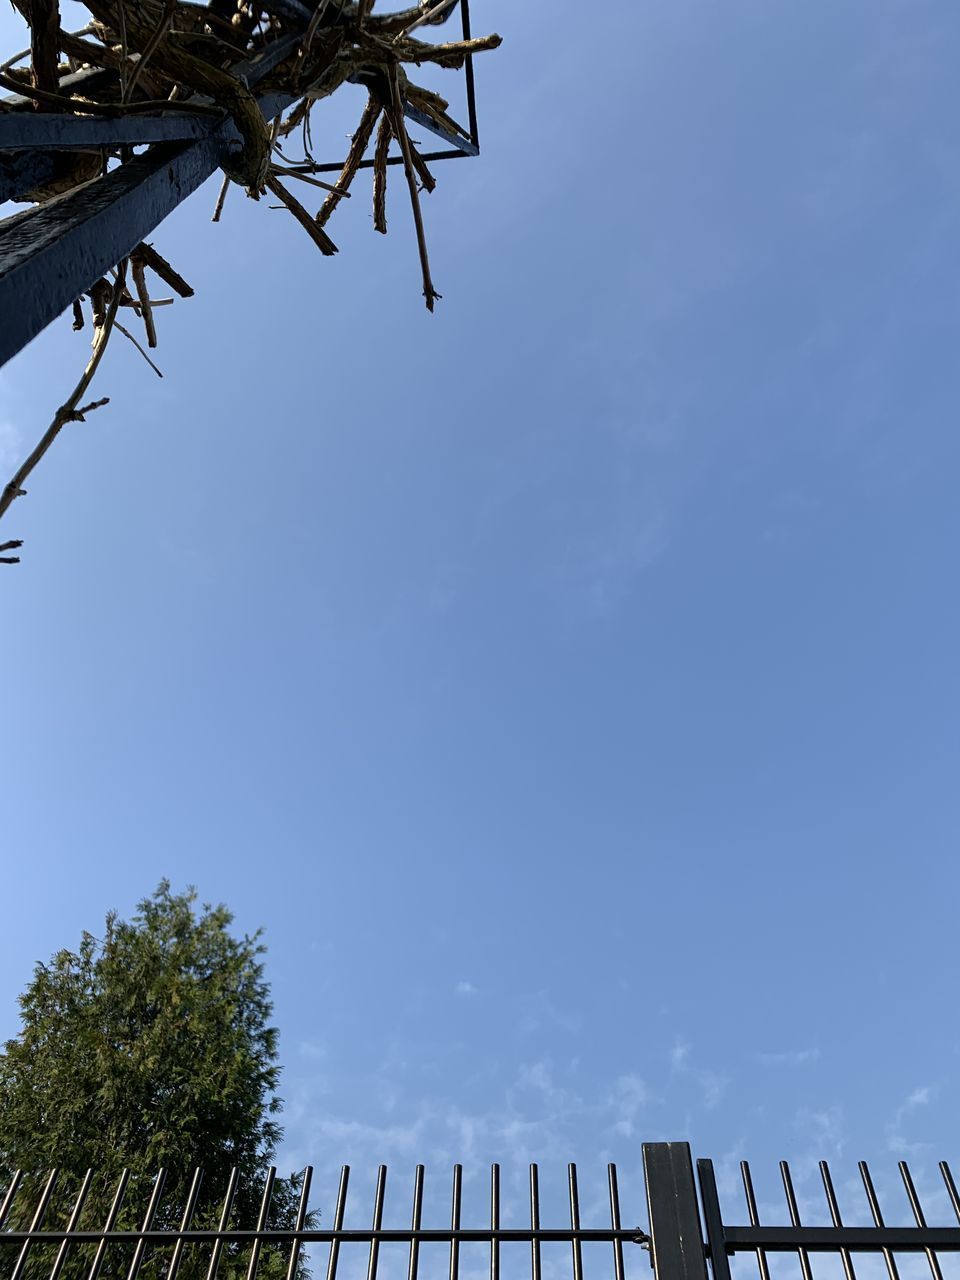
{"x":915,"y":1205}
{"x":468,"y":74}
{"x":494,"y":1222}
{"x":676,"y":1240}
{"x":188,"y":1212}
{"x":414,"y":1262}
{"x":845,"y":1255}
{"x":377,"y":1221}
{"x":61,"y":1257}
{"x":108,"y":1226}
{"x":575,"y":1243}
{"x":615,"y":1221}
{"x":301,"y":1219}
{"x":148,"y":1217}
{"x":338,"y":1222}
{"x":945,"y":1174}
{"x":713,"y":1220}
{"x":455,"y":1222}
{"x":35,"y":1223}
{"x":534,"y":1221}
{"x":261,"y":1221}
{"x":10,"y":1193}
{"x":224,"y":1223}
{"x":877,"y":1216}
{"x":754,"y":1216}
{"x":794,"y":1216}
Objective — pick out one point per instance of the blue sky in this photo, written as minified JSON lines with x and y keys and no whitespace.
{"x":567,"y":682}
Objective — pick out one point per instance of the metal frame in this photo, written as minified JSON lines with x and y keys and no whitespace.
{"x":53,"y":253}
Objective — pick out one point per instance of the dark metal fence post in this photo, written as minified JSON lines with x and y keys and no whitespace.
{"x":677,"y":1241}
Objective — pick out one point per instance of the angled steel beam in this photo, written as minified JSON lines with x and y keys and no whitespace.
{"x":456,"y":140}
{"x":52,"y":253}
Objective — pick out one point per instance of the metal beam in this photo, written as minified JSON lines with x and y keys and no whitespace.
{"x":832,"y":1239}
{"x":676,"y":1240}
{"x":23,"y":131}
{"x":398,"y":1235}
{"x":51,"y":254}
{"x":451,"y":139}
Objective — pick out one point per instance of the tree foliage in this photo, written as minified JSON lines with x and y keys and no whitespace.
{"x":147,"y":1049}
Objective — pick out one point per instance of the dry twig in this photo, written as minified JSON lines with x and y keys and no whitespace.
{"x":380,"y":157}
{"x":302,"y":215}
{"x":68,"y":411}
{"x":358,"y":146}
{"x":400,"y":129}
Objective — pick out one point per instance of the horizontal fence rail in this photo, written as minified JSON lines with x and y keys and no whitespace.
{"x":42,"y":1230}
{"x":252,"y":1241}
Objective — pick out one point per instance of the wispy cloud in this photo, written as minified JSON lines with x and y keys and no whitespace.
{"x":787,"y":1058}
{"x":711,"y":1084}
{"x":540,"y":1012}
{"x":315,"y":1050}
{"x":465,"y":988}
{"x":897,"y":1140}
{"x":630,"y":1097}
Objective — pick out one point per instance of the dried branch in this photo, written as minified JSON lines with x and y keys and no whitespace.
{"x":400,"y":129}
{"x":358,"y":147}
{"x":221,"y":199}
{"x":127,"y":334}
{"x":381,"y":155}
{"x":302,"y":215}
{"x":12,"y":545}
{"x":452,"y":55}
{"x":45,"y":43}
{"x":427,"y":181}
{"x":150,"y":47}
{"x":137,"y":270}
{"x":304,"y":176}
{"x":440,"y":11}
{"x":163,"y":269}
{"x":68,"y":410}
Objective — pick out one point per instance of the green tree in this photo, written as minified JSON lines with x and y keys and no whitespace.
{"x":147,"y":1049}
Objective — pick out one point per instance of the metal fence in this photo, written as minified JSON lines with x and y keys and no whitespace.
{"x":682,"y":1241}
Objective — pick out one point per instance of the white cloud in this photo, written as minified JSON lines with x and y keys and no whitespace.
{"x":315,"y":1050}
{"x":466,"y":989}
{"x":678,"y":1055}
{"x":897,"y":1138}
{"x":542,"y":1012}
{"x":788,"y":1057}
{"x":712,"y":1084}
{"x":630,"y":1097}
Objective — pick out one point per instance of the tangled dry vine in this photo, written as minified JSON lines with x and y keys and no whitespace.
{"x":154,"y":57}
